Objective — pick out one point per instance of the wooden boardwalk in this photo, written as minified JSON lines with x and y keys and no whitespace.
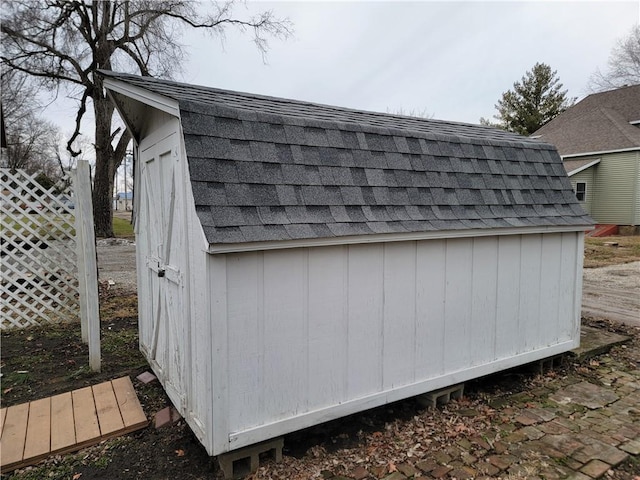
{"x":67,"y":422}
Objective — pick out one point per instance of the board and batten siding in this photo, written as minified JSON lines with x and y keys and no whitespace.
{"x":305,"y":335}
{"x":617,"y":189}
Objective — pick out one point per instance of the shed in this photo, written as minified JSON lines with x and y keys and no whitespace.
{"x":300,"y":262}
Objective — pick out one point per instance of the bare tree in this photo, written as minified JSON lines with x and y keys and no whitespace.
{"x":63,"y":42}
{"x":623,"y":64}
{"x":31,"y":140}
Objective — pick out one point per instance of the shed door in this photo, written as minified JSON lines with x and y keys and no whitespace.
{"x":164,"y":258}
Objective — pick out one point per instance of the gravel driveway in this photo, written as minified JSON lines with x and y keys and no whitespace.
{"x":611,"y":292}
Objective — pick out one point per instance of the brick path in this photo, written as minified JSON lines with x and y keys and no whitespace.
{"x":580,"y":424}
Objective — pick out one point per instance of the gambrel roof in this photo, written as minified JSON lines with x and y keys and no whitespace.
{"x":602,"y":122}
{"x":270,"y":169}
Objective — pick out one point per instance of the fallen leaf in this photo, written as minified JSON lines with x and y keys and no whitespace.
{"x":180,"y":452}
{"x":76,"y":476}
{"x":7,"y":390}
{"x":392,"y":467}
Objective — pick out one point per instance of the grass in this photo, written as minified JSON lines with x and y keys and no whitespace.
{"x":600,"y":252}
{"x":122,"y":227}
{"x":45,"y":227}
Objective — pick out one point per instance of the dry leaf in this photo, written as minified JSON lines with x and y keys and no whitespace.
{"x":7,"y":390}
{"x":76,"y":476}
{"x":180,"y":452}
{"x":392,"y":467}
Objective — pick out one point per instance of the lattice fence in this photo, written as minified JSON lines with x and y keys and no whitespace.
{"x":38,"y":273}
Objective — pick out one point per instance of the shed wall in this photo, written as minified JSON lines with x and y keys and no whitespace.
{"x":305,"y":335}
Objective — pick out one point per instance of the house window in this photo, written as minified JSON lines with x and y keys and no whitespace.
{"x":581,"y":191}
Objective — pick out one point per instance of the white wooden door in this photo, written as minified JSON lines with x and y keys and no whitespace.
{"x":164,"y":262}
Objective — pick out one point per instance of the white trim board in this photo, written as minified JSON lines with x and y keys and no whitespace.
{"x":154,"y":100}
{"x":584,"y":167}
{"x":601,"y":152}
{"x":389,"y":237}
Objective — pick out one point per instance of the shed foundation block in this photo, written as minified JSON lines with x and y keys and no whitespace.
{"x":442,"y":396}
{"x":246,"y":460}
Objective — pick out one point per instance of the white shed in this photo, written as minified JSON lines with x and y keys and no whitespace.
{"x":301,"y":262}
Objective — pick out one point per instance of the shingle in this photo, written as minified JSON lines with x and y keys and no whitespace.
{"x":342,"y":176}
{"x":193,"y":146}
{"x":398,"y":161}
{"x":339,"y":213}
{"x":414,"y":145}
{"x":350,"y":140}
{"x":208,"y":193}
{"x":299,"y":231}
{"x":295,"y":135}
{"x":273,"y":215}
{"x":316,"y":137}
{"x":227,"y":128}
{"x":250,"y":172}
{"x":264,"y":233}
{"x":398,"y":213}
{"x":238,"y":150}
{"x":264,"y":152}
{"x":375,"y":177}
{"x":224,"y":235}
{"x":398,"y":196}
{"x":329,"y":156}
{"x":352,"y":195}
{"x":377,"y":160}
{"x":401,"y":144}
{"x":229,"y":217}
{"x":204,"y":215}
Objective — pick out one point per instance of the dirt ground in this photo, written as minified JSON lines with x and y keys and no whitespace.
{"x":55,"y":360}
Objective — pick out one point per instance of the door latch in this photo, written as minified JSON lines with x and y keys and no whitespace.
{"x":160,"y":271}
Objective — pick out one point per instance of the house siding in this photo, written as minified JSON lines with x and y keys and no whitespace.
{"x":313,"y":332}
{"x":587,"y":176}
{"x":617,"y":189}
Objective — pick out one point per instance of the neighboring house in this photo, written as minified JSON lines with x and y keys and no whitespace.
{"x":123,"y":201}
{"x":300,"y":262}
{"x":599,"y":141}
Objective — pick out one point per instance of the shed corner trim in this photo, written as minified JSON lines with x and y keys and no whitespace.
{"x":154,"y":100}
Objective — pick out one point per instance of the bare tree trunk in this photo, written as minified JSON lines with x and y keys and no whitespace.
{"x":104,"y":171}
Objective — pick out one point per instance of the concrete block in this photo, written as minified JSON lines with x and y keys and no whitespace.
{"x":442,"y":396}
{"x":146,"y":377}
{"x":245,"y":461}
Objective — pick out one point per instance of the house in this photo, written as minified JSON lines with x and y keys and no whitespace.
{"x":123,"y":201}
{"x":301,"y":262}
{"x":599,"y":141}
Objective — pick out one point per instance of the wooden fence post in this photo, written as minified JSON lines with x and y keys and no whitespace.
{"x":87,"y":264}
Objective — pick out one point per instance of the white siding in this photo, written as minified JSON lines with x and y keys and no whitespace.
{"x":316,"y":333}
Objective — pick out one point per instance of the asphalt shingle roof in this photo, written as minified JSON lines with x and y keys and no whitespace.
{"x":598,"y":123}
{"x":267,"y":168}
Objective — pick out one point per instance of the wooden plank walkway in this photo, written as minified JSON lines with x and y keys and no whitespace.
{"x":64,"y":423}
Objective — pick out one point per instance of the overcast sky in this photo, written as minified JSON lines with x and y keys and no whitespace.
{"x":451,"y":60}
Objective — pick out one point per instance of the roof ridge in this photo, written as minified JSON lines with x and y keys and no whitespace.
{"x":622,"y":128}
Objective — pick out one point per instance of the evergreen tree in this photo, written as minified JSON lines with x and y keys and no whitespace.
{"x":535,"y":100}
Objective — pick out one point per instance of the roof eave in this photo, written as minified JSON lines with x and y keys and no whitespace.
{"x":600,"y":152}
{"x":390,"y":237}
{"x":584,"y":167}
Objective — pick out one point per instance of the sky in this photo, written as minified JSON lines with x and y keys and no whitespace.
{"x":448,"y":60}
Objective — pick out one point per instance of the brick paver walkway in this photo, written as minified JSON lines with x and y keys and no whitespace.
{"x":580,"y":424}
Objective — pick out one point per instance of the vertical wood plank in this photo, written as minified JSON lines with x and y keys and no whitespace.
{"x":529,"y":333}
{"x":220,"y":403}
{"x":285,"y":345}
{"x":327,"y":326}
{"x":86,"y":248}
{"x":399,"y":314}
{"x":107,"y":409}
{"x":245,"y":386}
{"x":14,"y":433}
{"x":38,"y":441}
{"x":550,"y":276}
{"x":84,"y":414}
{"x":430,"y":298}
{"x":508,"y":304}
{"x":130,"y":409}
{"x":365,"y":347}
{"x":3,"y":414}
{"x":62,"y":431}
{"x":483,"y":303}
{"x":567,"y":293}
{"x":457,"y":353}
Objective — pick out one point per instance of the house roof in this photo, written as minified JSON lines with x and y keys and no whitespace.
{"x":575,"y":166}
{"x":265,"y":169}
{"x":598,"y":123}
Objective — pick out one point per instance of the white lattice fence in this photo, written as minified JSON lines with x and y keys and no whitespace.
{"x":38,"y":274}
